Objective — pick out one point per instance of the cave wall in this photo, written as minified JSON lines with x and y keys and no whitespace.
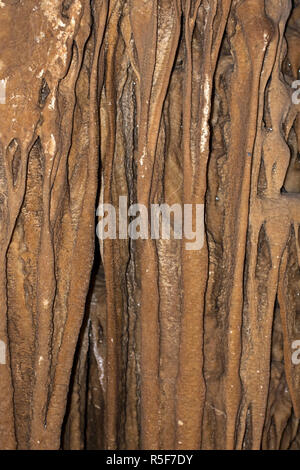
{"x":147,"y":345}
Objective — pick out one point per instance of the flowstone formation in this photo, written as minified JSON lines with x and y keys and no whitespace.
{"x":143,"y":344}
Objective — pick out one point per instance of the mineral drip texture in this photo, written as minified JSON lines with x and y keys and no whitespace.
{"x":141,"y":343}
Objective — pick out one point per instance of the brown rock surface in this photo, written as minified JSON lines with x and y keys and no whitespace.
{"x":149,"y":346}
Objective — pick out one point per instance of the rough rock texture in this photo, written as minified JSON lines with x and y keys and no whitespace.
{"x":152,"y":346}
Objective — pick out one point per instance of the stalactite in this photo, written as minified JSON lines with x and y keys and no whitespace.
{"x":143,"y":344}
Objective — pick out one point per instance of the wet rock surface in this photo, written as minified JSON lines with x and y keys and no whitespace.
{"x":147,"y":345}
